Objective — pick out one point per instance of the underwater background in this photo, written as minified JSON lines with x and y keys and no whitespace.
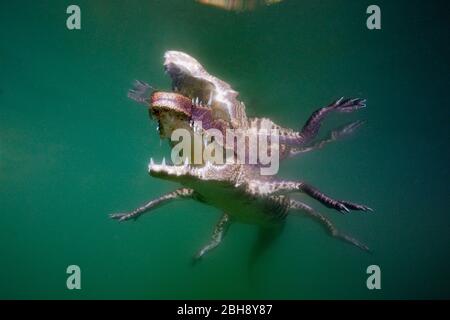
{"x":74,"y":148}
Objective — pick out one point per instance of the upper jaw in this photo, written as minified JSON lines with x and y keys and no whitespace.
{"x":208,"y":171}
{"x":171,"y":102}
{"x":169,"y":170}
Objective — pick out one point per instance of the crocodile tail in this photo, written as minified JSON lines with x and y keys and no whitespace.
{"x":140,"y":92}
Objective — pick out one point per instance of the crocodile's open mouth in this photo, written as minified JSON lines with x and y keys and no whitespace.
{"x":174,"y":111}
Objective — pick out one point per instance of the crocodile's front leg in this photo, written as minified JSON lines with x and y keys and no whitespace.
{"x":333,"y":231}
{"x":334,"y":135}
{"x":181,"y":193}
{"x":312,"y":126}
{"x":219,"y":232}
{"x":284,"y":187}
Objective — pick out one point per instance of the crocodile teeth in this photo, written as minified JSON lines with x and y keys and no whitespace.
{"x":210,"y":99}
{"x":163,"y":163}
{"x":186,"y":161}
{"x":151,"y":164}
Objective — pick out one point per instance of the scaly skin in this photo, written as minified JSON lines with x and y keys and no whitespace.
{"x":239,"y":191}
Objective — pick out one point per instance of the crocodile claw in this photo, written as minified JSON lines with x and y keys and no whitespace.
{"x":347,"y":129}
{"x":355,"y":206}
{"x":348,"y":105}
{"x":123,"y":216}
{"x":342,"y":208}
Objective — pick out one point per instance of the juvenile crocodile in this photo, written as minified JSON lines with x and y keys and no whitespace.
{"x":237,"y":189}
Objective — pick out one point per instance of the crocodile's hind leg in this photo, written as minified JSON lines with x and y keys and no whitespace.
{"x":219,"y":232}
{"x":182,"y":193}
{"x":333,"y":135}
{"x":312,"y":126}
{"x":332,"y":230}
{"x":283,"y":187}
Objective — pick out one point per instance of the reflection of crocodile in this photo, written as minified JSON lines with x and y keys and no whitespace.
{"x":238,"y":190}
{"x":222,"y":109}
{"x":238,"y":5}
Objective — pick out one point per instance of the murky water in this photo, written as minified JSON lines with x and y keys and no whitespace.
{"x":73,"y":148}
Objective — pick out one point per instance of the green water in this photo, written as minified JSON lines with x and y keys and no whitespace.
{"x":73,"y":148}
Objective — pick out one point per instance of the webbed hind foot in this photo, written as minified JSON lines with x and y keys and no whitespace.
{"x":334,"y":135}
{"x":342,"y":206}
{"x":285,"y":187}
{"x":346,"y":130}
{"x":312,"y":126}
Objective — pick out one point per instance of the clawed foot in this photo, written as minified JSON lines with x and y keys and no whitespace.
{"x":345,"y":207}
{"x":355,"y":206}
{"x":347,"y":129}
{"x":348,"y":105}
{"x":124,"y":216}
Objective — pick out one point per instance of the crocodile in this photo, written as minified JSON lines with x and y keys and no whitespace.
{"x":238,"y":190}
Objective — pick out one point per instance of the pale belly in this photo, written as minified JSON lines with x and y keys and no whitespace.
{"x":237,"y":204}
